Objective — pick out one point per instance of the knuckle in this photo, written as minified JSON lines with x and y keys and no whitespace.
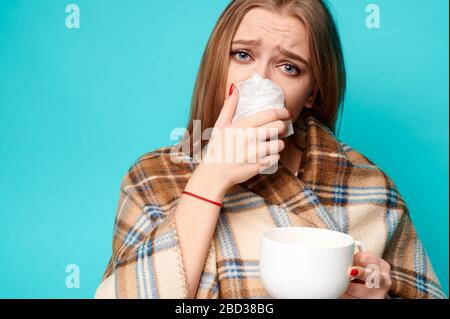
{"x":388,"y":266}
{"x":273,"y":113}
{"x":389,"y":283}
{"x":280,"y":125}
{"x":387,"y":280}
{"x":363,"y":258}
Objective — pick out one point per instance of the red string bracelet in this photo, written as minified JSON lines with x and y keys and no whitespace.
{"x":202,"y":198}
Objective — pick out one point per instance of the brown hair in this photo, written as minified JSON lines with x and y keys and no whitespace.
{"x":327,"y":61}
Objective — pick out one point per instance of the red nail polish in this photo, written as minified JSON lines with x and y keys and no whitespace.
{"x":290,"y":114}
{"x":231,"y":89}
{"x":354,"y":272}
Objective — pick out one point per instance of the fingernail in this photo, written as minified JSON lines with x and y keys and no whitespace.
{"x":231,"y":89}
{"x":354,"y":272}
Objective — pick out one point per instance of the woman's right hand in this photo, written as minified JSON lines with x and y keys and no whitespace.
{"x":258,"y":149}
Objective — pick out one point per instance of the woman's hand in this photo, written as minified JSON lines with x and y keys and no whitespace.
{"x":370,"y":277}
{"x":231,"y":162}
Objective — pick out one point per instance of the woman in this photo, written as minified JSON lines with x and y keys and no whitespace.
{"x":188,"y":227}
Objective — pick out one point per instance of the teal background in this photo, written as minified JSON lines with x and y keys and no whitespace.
{"x":78,"y":106}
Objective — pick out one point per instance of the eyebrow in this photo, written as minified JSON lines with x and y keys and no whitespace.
{"x":257,"y":43}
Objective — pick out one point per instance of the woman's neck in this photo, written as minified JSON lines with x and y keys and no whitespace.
{"x":291,"y":156}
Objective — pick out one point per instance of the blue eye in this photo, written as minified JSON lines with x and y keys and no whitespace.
{"x":291,"y":67}
{"x":240,"y":54}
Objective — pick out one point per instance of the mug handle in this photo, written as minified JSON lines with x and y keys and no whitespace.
{"x":360,"y":246}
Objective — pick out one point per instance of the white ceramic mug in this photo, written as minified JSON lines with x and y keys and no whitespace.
{"x":304,"y":262}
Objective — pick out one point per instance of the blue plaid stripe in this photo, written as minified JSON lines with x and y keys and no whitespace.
{"x":391,"y":216}
{"x":350,"y":188}
{"x":242,"y":200}
{"x":279,"y":216}
{"x":151,"y":218}
{"x":392,"y":221}
{"x":339,"y":194}
{"x":161,"y":242}
{"x":233,"y":268}
{"x":252,"y":203}
{"x":342,"y":193}
{"x":143,"y":270}
{"x":345,"y":147}
{"x":380,"y":201}
{"x":153,"y":212}
{"x":340,"y":214}
{"x":133,"y":237}
{"x":242,"y":196}
{"x":165,"y":241}
{"x":320,"y":210}
{"x":140,"y":274}
{"x":225,"y":238}
{"x":366,"y":166}
{"x":419,"y":259}
{"x":208,"y":282}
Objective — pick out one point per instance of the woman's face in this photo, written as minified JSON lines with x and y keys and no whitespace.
{"x":276,"y":36}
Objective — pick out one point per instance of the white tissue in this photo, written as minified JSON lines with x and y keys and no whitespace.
{"x":258,"y":94}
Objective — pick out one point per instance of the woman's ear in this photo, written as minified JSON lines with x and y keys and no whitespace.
{"x":312,"y":96}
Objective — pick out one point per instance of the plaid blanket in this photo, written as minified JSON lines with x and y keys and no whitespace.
{"x":336,"y":188}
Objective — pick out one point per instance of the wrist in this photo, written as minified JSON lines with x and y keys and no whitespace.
{"x":205,"y":182}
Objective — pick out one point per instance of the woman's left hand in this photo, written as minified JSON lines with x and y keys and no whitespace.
{"x":370,"y":277}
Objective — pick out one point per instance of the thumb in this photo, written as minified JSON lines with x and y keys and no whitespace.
{"x":229,"y":107}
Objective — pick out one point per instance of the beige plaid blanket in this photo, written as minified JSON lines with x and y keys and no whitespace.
{"x":336,"y":188}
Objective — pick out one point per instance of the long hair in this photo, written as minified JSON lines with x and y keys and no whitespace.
{"x":327,"y":62}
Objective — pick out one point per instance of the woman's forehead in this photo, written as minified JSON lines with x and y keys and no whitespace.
{"x":272,"y":29}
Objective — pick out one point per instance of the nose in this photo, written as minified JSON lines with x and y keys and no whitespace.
{"x":263,"y":71}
